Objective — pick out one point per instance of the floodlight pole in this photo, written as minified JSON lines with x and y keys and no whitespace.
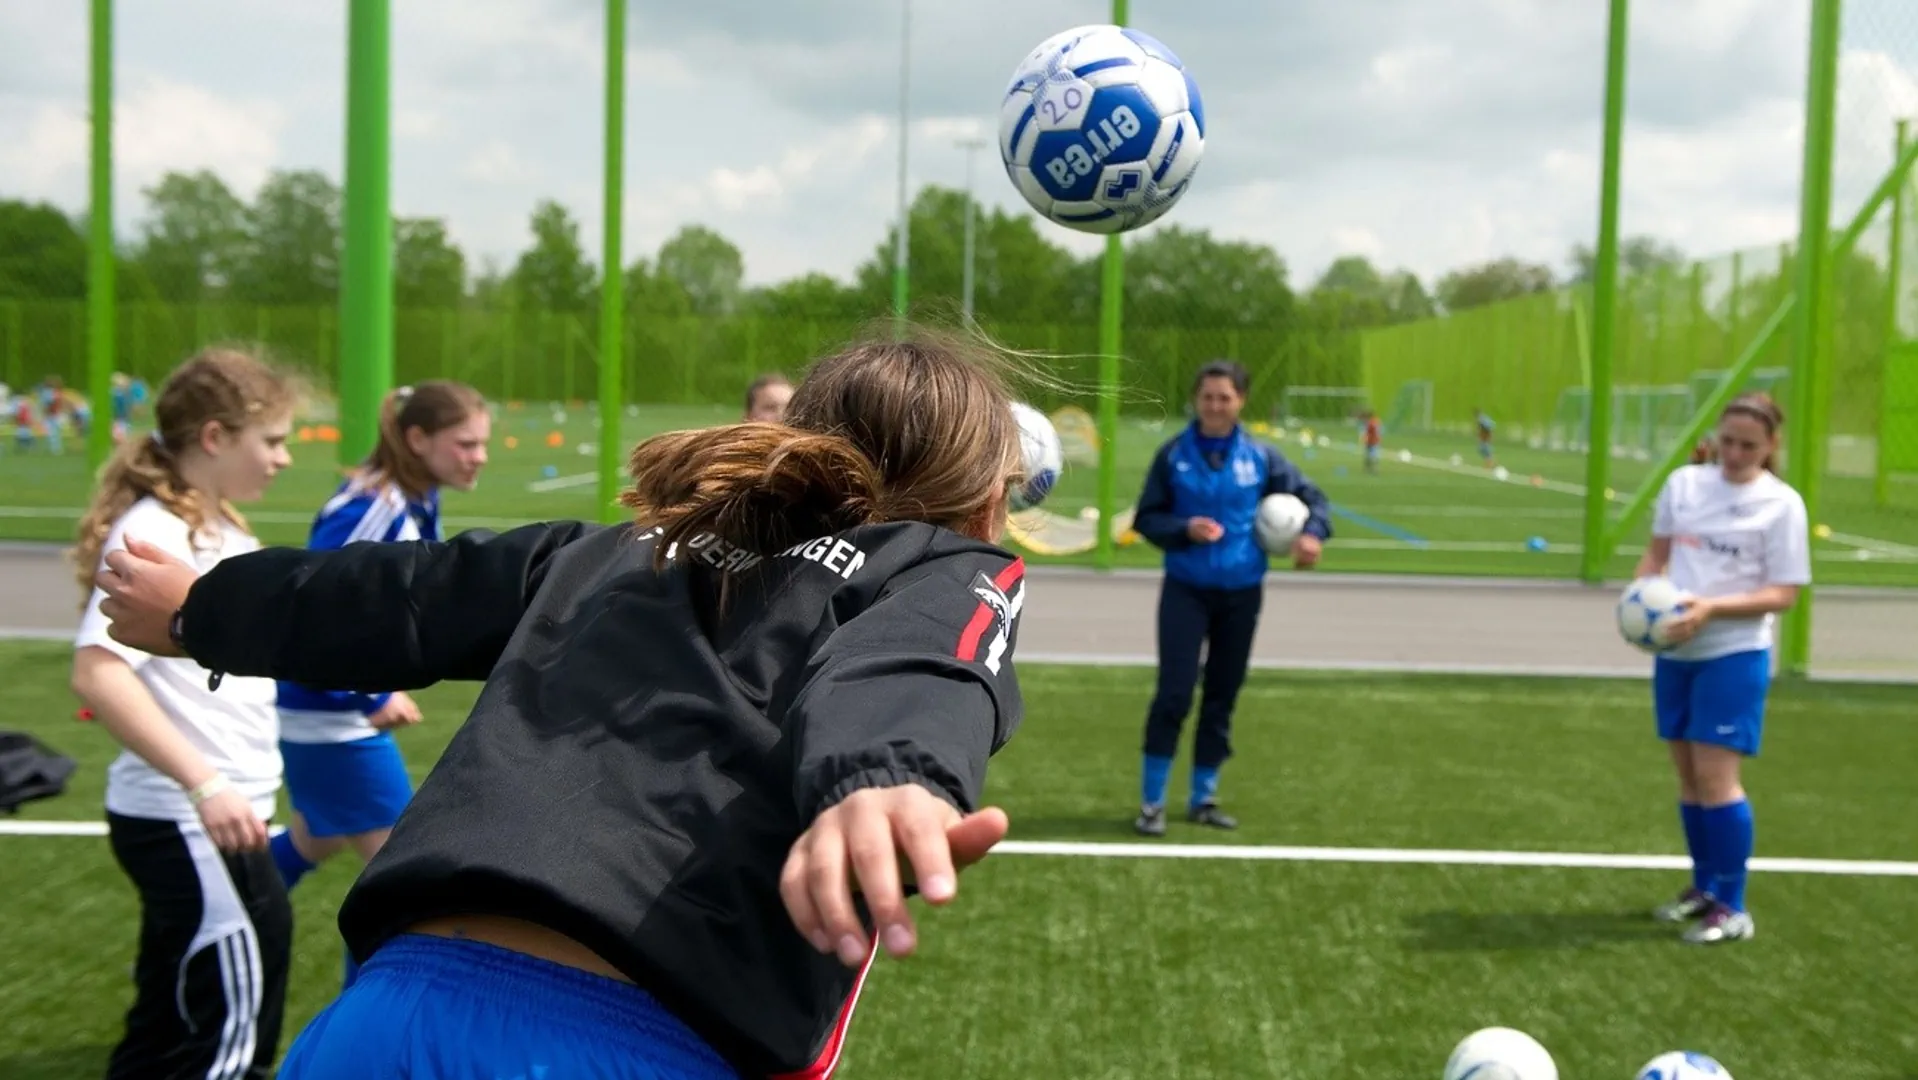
{"x":366,"y":258}
{"x":100,"y":282}
{"x":612,"y":275}
{"x":1598,"y":409}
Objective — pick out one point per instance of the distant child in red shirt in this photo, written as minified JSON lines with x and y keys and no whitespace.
{"x":1372,"y":439}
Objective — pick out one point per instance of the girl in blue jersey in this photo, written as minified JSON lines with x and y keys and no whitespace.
{"x":1733,"y":536}
{"x":1200,"y":501}
{"x":344,"y":773}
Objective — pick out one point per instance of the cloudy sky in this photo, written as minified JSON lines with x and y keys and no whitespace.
{"x":1427,"y":134}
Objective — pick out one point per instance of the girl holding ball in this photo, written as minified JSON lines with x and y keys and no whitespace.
{"x":1733,"y":537}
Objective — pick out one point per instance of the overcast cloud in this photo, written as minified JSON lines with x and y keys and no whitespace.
{"x":1427,"y":134}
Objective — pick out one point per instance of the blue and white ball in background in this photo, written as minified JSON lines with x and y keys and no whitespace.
{"x":1645,"y":610}
{"x":1044,"y":456}
{"x":1102,"y":129}
{"x":1683,"y":1065}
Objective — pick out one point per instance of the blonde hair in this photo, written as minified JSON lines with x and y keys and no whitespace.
{"x":432,"y":406}
{"x":913,"y":428}
{"x":224,"y":385}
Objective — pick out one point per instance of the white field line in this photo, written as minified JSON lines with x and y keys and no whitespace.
{"x":1395,"y":856}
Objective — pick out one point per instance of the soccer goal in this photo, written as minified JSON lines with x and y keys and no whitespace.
{"x":1411,"y":408}
{"x":1645,"y":419}
{"x":1322,"y":404}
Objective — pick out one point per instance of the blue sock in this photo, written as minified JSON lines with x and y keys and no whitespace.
{"x":1730,"y":830}
{"x":293,"y":865}
{"x":352,"y":969}
{"x":1158,"y":772}
{"x":1692,"y":815}
{"x":1205,"y":784}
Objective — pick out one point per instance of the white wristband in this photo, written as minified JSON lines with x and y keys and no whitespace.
{"x":206,"y":790}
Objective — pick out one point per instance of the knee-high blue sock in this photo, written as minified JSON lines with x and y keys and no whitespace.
{"x":1158,"y":772}
{"x":1205,"y":784}
{"x":293,"y":865}
{"x":1730,"y":832}
{"x":1692,"y":815}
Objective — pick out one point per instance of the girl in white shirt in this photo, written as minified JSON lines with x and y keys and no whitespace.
{"x":1734,"y":537}
{"x":189,"y":798}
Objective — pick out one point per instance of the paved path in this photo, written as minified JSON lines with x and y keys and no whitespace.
{"x":1310,"y":620}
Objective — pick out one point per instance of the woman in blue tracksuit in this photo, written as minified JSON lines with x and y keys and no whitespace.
{"x":1200,"y":501}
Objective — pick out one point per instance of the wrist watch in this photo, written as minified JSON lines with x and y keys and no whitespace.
{"x":174,"y":627}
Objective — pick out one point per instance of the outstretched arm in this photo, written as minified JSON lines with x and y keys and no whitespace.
{"x":367,"y":617}
{"x":891,"y":733}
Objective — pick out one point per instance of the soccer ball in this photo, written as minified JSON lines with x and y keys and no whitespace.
{"x":1644,"y":611}
{"x":1280,"y":520}
{"x":1044,"y":457}
{"x":1101,"y":129}
{"x":1500,"y":1053}
{"x":1682,"y":1065}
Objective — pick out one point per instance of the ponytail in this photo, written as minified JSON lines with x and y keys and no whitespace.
{"x":432,"y":406}
{"x":763,"y":486}
{"x":138,"y":468}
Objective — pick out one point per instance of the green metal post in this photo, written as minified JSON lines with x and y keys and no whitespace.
{"x":100,"y":288}
{"x":366,"y":262}
{"x":902,"y":243}
{"x":612,"y":368}
{"x":1598,"y":439}
{"x":1894,"y":269}
{"x":1111,"y":325}
{"x":1811,"y":379}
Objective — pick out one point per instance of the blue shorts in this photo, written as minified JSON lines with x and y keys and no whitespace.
{"x":1719,"y":701}
{"x":347,"y":788}
{"x":462,"y":1010}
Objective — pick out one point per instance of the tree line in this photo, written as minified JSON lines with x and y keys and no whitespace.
{"x":200,"y":242}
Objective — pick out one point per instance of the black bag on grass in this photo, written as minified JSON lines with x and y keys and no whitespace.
{"x":29,"y":770}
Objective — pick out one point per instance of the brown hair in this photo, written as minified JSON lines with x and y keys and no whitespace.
{"x":770,"y":379}
{"x":914,"y":429}
{"x":1760,"y":407}
{"x":432,"y":406}
{"x":228,"y":386}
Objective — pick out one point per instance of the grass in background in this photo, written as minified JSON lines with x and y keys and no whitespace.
{"x":1425,"y":516}
{"x":1185,"y":969}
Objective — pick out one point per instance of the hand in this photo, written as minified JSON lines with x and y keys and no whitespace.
{"x":231,"y":823}
{"x":399,"y":711}
{"x":1692,"y":616}
{"x":144,"y":587}
{"x":1204,"y":530}
{"x":1306,"y":550}
{"x":868,"y":833}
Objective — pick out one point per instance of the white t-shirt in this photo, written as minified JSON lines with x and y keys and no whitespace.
{"x":1727,"y":539}
{"x":236,"y":727}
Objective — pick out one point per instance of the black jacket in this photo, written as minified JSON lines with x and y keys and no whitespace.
{"x":648,"y":744}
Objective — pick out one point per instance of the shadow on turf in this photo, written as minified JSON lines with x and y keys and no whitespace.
{"x":63,"y":1064}
{"x":1451,"y":931}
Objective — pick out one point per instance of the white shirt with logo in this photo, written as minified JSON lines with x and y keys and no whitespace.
{"x":1728,"y":539}
{"x":236,"y":727}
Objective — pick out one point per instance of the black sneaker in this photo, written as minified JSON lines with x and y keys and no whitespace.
{"x":1151,"y":821}
{"x":1209,"y":814}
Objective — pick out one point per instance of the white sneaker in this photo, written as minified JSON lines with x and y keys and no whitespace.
{"x":1722,"y":924}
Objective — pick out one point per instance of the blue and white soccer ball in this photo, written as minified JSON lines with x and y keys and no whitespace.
{"x":1683,"y":1065}
{"x":1044,"y":456}
{"x":1102,"y":129}
{"x":1645,"y":611}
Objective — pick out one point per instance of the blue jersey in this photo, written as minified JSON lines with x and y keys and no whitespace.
{"x":356,"y":512}
{"x":1222,"y":479}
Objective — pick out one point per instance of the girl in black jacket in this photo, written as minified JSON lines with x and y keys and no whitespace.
{"x":672,"y":834}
